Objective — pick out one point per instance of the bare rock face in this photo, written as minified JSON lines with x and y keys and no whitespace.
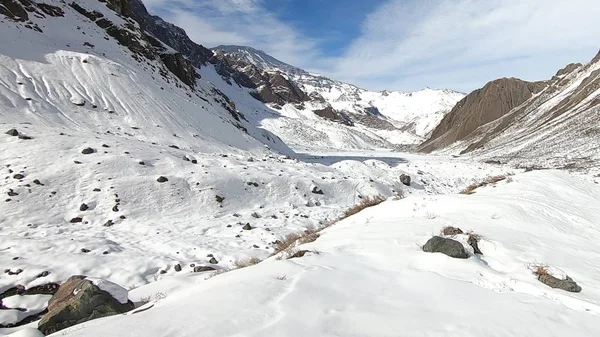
{"x":480,"y":107}
{"x":452,"y":248}
{"x":79,"y":300}
{"x":180,"y":67}
{"x":567,"y":284}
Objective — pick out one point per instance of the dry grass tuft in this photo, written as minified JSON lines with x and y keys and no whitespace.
{"x":287,"y":244}
{"x":474,"y":236}
{"x":539,"y":269}
{"x":364,"y":203}
{"x":491,"y":181}
{"x":246,"y":263}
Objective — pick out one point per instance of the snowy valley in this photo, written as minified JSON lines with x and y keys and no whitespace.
{"x":226,"y":193}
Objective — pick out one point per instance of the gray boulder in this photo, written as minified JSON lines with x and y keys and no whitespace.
{"x":452,"y":248}
{"x":405,"y":179}
{"x":451,"y":231}
{"x":79,"y":300}
{"x":567,"y":284}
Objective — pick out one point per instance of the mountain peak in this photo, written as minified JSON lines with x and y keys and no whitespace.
{"x":258,"y":58}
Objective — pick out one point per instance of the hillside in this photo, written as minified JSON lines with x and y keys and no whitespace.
{"x":545,"y":124}
{"x":367,"y":275}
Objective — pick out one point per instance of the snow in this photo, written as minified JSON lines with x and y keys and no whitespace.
{"x":116,"y":291}
{"x":28,"y":332}
{"x":367,"y":275}
{"x":33,"y":304}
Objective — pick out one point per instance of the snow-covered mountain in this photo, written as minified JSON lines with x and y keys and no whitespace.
{"x":398,"y":116}
{"x":132,"y":154}
{"x":550,"y":123}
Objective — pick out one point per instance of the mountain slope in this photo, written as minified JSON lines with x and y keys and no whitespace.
{"x":396,"y":116}
{"x":481,"y":106}
{"x":556,"y":127}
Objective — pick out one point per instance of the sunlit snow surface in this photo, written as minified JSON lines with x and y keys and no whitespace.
{"x":367,"y":275}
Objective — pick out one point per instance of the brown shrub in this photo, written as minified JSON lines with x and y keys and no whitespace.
{"x":246,"y":262}
{"x":288,"y":243}
{"x":471,"y":188}
{"x":364,"y":203}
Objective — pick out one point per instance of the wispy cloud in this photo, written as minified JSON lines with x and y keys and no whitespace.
{"x":239,"y":22}
{"x":409,"y":44}
{"x":462,"y":43}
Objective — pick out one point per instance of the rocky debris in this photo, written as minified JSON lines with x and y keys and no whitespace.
{"x":199,"y":269}
{"x":162,"y":179}
{"x":80,"y":300}
{"x":317,"y":190}
{"x":12,"y":193}
{"x":451,"y":231}
{"x":19,"y":176}
{"x":473,"y":241}
{"x":108,"y":223}
{"x":76,"y":220}
{"x":85,"y":250}
{"x":298,"y":254}
{"x":88,"y":150}
{"x":84,"y":207}
{"x":43,"y":274}
{"x":219,"y":198}
{"x":37,"y":182}
{"x":115,"y":208}
{"x":255,"y":215}
{"x":213,"y":261}
{"x":247,"y":227}
{"x":405,"y":179}
{"x":177,"y":267}
{"x":452,"y":248}
{"x":12,"y":132}
{"x":567,"y":284}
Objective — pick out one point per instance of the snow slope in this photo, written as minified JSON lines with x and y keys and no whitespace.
{"x":367,"y":275}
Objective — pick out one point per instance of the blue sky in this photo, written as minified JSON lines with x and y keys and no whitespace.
{"x":401,"y":44}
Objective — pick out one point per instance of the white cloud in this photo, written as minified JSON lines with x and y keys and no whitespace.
{"x":238,"y":22}
{"x":439,"y":40}
{"x":409,"y":44}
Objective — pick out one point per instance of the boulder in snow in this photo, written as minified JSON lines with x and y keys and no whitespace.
{"x":451,"y":231}
{"x":405,"y":179}
{"x":317,"y":190}
{"x":162,"y":179}
{"x":81,"y":299}
{"x":12,"y":132}
{"x":473,"y":241}
{"x":452,"y":248}
{"x":88,"y":150}
{"x":567,"y":284}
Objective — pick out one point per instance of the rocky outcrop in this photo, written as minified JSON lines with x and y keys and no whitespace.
{"x":452,"y":248}
{"x":271,"y":87}
{"x":122,"y":7}
{"x":79,"y":300}
{"x":180,"y":67}
{"x":18,"y":10}
{"x":170,"y":34}
{"x":480,"y":107}
{"x":567,"y":284}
